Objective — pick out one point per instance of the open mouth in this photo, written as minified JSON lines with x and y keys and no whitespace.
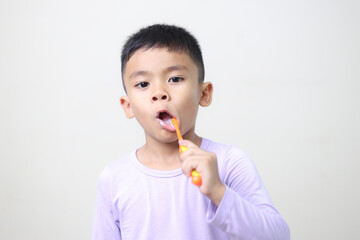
{"x":165,"y":120}
{"x":165,"y":117}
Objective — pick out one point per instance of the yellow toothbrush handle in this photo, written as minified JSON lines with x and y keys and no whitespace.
{"x":183,"y":149}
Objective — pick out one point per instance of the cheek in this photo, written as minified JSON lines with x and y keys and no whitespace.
{"x":139,"y":110}
{"x":191,"y":105}
{"x":138,"y":107}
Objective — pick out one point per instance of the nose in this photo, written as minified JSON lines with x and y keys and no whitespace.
{"x":160,"y":92}
{"x":160,"y":96}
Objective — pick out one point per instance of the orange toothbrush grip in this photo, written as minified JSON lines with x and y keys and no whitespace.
{"x":196,"y":178}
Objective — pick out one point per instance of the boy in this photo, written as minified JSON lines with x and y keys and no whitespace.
{"x":147,"y":194}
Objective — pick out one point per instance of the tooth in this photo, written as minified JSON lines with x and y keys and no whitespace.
{"x":168,"y":121}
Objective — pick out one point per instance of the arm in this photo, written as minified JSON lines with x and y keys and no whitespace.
{"x":240,"y":205}
{"x":243,"y":220}
{"x":105,"y":225}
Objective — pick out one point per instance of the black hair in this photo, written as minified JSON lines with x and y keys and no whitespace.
{"x":161,"y":35}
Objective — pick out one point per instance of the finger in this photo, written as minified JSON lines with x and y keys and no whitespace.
{"x":187,"y":143}
{"x":193,"y":163}
{"x":188,"y":167}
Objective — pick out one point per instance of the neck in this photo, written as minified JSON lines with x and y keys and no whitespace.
{"x":160,"y":156}
{"x":163,"y":156}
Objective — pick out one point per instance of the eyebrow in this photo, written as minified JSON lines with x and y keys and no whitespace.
{"x":174,"y":68}
{"x":138,"y":73}
{"x":167,"y":70}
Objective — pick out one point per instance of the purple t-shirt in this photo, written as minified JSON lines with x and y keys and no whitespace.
{"x":136,"y":202}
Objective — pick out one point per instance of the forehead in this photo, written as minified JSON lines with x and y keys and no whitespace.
{"x":158,"y":59}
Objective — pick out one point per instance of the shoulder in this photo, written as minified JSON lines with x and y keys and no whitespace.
{"x":232,"y":161}
{"x":226,"y":152}
{"x":118,"y":168}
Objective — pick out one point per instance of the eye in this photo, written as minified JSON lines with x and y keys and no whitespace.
{"x":142,"y":85}
{"x":176,"y":79}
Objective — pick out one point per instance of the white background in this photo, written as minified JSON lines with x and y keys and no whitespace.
{"x":286,"y":77}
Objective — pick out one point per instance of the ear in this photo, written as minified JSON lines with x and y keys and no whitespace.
{"x":125,"y":103}
{"x":206,"y":94}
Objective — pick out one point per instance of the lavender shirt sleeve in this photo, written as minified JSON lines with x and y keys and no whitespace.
{"x":106,"y":227}
{"x":246,"y":211}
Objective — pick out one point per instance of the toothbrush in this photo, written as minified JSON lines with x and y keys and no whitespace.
{"x":195,"y":176}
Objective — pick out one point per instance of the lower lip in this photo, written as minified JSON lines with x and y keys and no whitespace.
{"x":168,"y":127}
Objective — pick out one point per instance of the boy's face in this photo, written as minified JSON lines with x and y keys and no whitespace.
{"x":160,"y":85}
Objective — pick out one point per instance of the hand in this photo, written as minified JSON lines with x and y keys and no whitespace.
{"x":206,"y":164}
